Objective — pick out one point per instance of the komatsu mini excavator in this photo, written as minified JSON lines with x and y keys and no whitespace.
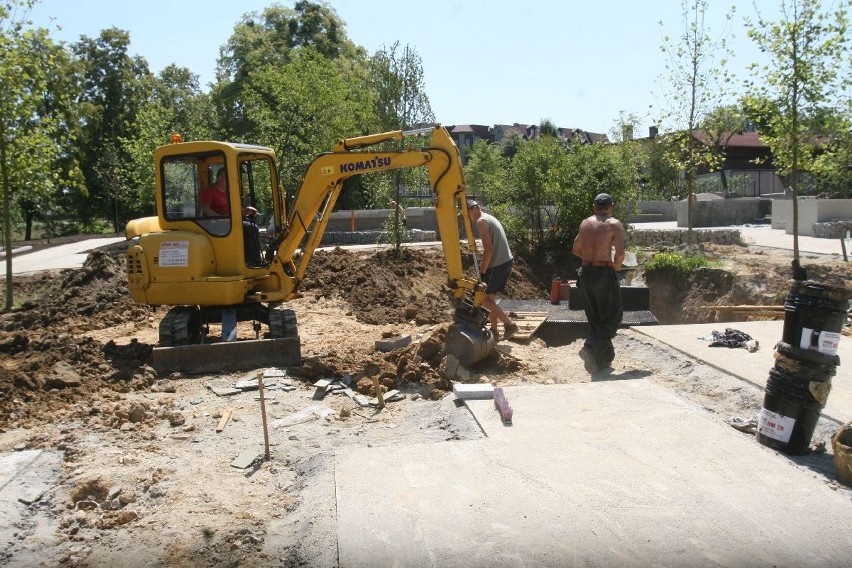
{"x":207,"y":262}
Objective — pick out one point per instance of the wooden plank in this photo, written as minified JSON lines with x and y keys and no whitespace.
{"x":528,"y":323}
{"x":224,"y":420}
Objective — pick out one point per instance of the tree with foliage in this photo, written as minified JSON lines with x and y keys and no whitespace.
{"x":832,"y":167}
{"x":536,"y":176}
{"x":114,"y":87}
{"x":396,"y":78}
{"x":268,"y":40}
{"x":633,"y":151}
{"x":808,"y":66}
{"x":696,"y":84}
{"x":719,"y":126}
{"x":301,"y":109}
{"x":591,"y":169}
{"x":661,"y":177}
{"x":485,"y":173}
{"x":28,"y":148}
{"x":176,"y":106}
{"x":291,"y":79}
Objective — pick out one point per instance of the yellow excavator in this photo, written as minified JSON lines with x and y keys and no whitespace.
{"x":202,"y":255}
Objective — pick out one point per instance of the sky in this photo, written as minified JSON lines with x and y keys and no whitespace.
{"x":577,"y":63}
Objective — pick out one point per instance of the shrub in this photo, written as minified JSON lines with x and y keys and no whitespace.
{"x":674,"y":262}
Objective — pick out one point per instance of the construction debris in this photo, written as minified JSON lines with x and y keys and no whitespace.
{"x":477,"y":391}
{"x":224,"y":420}
{"x":385,"y":345}
{"x":502,"y":405}
{"x":245,"y":459}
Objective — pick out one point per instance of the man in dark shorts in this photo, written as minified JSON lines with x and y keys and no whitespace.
{"x":495,"y":268}
{"x":599,"y":235}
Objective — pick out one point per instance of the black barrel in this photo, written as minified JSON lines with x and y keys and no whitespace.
{"x":814,"y":315}
{"x":791,"y":409}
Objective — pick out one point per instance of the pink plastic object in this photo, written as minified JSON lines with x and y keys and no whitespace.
{"x":502,"y":404}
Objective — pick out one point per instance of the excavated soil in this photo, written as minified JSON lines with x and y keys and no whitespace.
{"x":142,"y":471}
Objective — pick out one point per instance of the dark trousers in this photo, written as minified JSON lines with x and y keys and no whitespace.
{"x":602,"y":298}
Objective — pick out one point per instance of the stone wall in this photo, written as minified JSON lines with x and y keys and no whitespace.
{"x":679,"y":237}
{"x":719,"y":212}
{"x":832,"y":230}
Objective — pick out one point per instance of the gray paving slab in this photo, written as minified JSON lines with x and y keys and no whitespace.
{"x":754,"y":367}
{"x":621,"y":473}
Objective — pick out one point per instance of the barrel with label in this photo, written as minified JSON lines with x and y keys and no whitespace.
{"x":805,"y":361}
{"x":790,"y":412}
{"x":814,"y":315}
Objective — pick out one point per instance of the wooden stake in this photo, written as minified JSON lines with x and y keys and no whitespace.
{"x":263,"y":414}
{"x":378,"y":389}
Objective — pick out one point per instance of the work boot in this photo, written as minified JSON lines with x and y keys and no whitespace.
{"x":511,"y":330}
{"x":589,"y":360}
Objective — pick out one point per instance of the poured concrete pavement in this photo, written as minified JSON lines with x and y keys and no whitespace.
{"x":620,"y":473}
{"x":754,"y":367}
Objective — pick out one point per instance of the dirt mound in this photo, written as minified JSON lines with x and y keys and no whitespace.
{"x":388,"y":286}
{"x":73,"y":301}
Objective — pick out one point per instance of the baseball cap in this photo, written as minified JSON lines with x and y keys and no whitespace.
{"x":603,"y":200}
{"x":472,"y":203}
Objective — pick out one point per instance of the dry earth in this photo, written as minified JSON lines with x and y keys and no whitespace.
{"x":142,"y":477}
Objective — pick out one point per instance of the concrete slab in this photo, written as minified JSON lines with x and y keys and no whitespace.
{"x":594,"y":474}
{"x":27,"y":477}
{"x":754,"y":367}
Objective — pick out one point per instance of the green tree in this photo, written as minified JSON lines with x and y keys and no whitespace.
{"x":396,"y":79}
{"x":833,"y":165}
{"x":114,"y":86}
{"x":592,"y":169}
{"x":696,"y":84}
{"x":28,"y":150}
{"x":176,"y":106}
{"x":625,"y":127}
{"x":547,"y":128}
{"x":536,"y":176}
{"x":301,"y":109}
{"x":485,"y":174}
{"x":719,"y":126}
{"x":661,"y":177}
{"x":268,"y":40}
{"x":808,"y":66}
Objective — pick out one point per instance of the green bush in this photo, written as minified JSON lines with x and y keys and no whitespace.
{"x":674,"y":262}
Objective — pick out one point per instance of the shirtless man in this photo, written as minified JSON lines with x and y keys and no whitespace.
{"x":598,"y":281}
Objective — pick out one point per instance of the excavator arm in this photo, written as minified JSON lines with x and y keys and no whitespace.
{"x":323,"y":182}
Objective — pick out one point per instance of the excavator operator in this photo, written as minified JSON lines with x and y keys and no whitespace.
{"x":214,"y":197}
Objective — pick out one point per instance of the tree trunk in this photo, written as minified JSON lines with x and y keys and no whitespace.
{"x":28,"y":226}
{"x":7,"y":215}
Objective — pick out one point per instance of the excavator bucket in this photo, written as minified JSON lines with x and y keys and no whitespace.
{"x":469,"y":346}
{"x":467,"y":339}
